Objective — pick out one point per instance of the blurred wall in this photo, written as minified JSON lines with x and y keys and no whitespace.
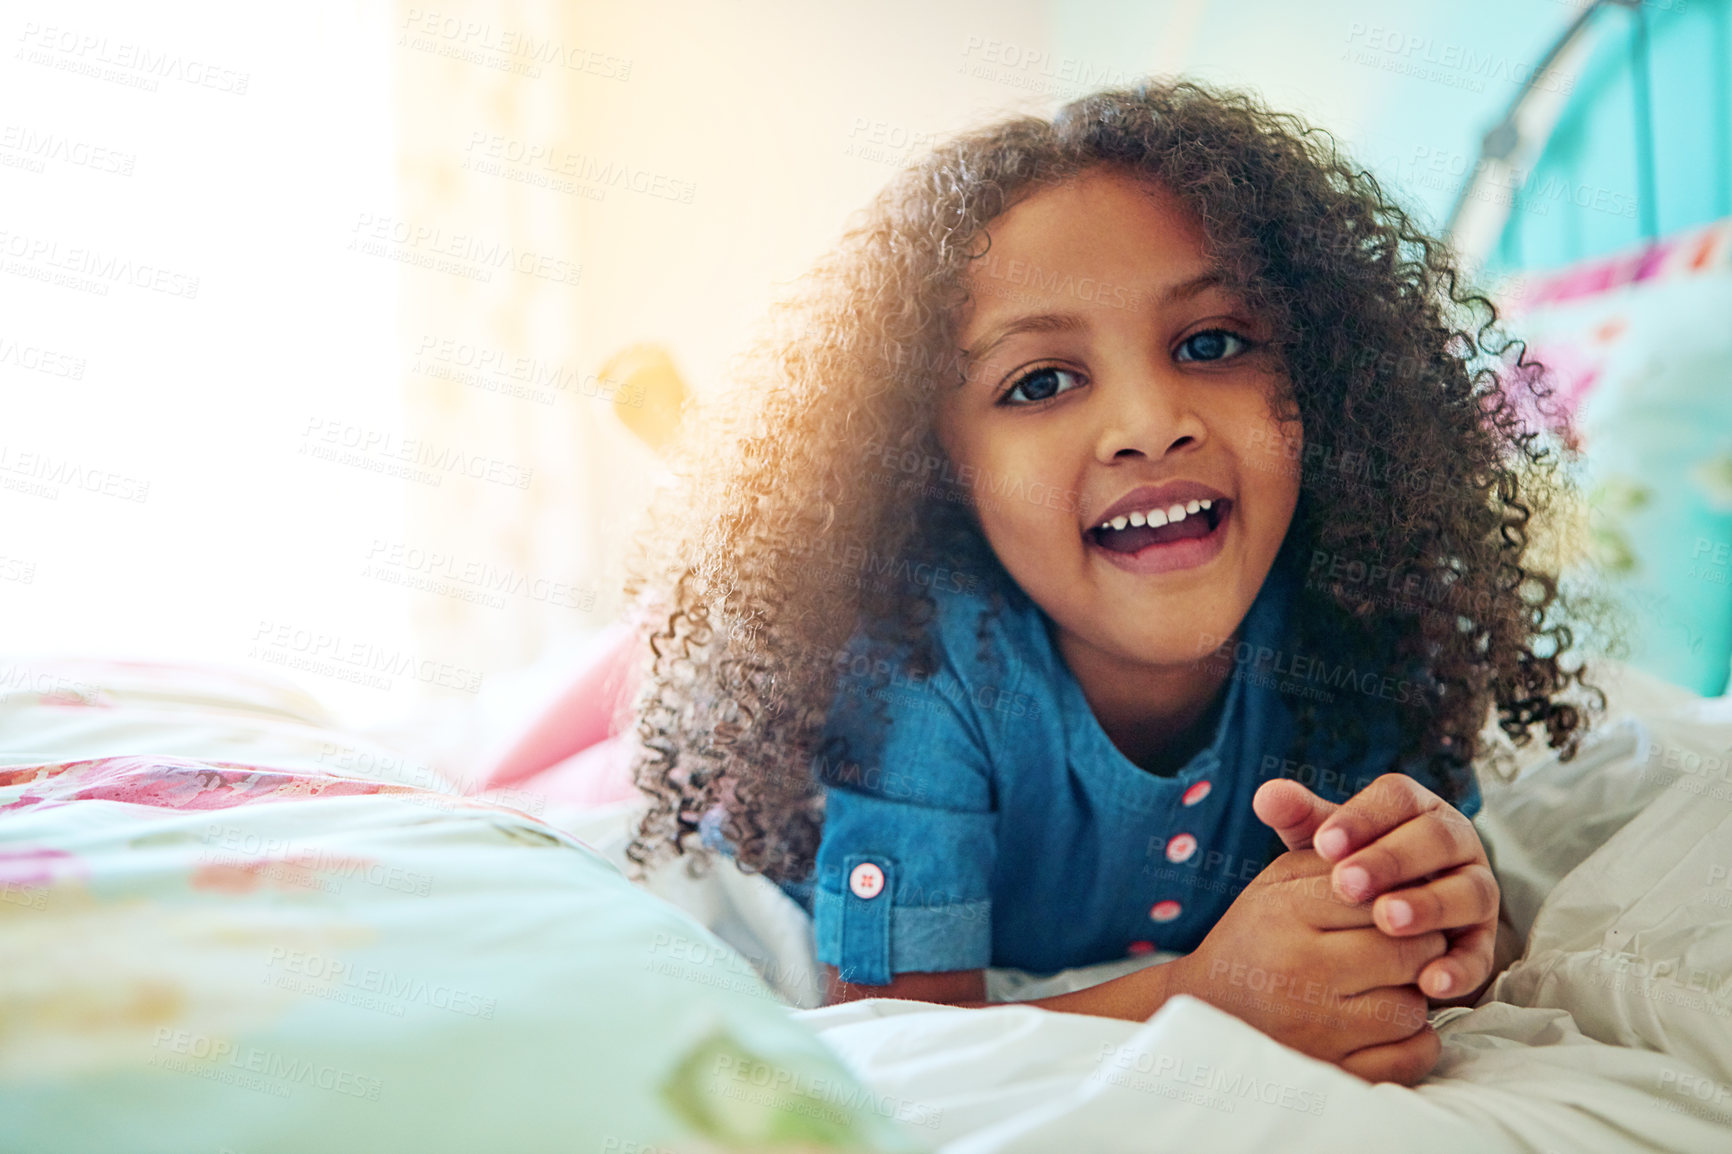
{"x":662,"y":171}
{"x":371,"y":450}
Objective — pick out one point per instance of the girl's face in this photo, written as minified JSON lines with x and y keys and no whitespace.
{"x":1108,"y":376}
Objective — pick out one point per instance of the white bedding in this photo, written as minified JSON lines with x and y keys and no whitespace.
{"x":1613,"y":1032}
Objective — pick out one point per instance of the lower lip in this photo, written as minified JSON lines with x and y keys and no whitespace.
{"x":1173,"y":555}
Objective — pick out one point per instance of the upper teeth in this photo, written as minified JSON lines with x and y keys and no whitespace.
{"x":1156,"y":517}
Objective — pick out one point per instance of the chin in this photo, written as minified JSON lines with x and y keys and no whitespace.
{"x":1201,"y":620}
{"x":1169,"y":647}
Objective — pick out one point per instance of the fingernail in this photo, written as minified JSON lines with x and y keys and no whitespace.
{"x":1441,"y":985}
{"x":1332,"y":842}
{"x":1399,"y":913}
{"x":1355,"y":882}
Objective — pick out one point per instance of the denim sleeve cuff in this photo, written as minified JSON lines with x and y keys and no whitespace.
{"x":1470,"y":804}
{"x":871,"y":940}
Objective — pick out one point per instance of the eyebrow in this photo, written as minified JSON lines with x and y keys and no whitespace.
{"x":1074,"y":322}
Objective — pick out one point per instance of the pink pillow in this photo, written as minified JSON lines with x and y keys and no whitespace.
{"x":592,"y":711}
{"x":600,"y":775}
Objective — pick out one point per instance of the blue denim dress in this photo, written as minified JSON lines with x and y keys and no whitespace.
{"x":992,"y":822}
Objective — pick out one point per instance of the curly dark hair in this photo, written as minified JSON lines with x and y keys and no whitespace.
{"x":1429,"y":454}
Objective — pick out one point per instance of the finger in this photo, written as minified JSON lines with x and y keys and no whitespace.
{"x":1460,"y":898}
{"x":1406,"y":1062}
{"x":1392,"y":800}
{"x":1428,"y":844}
{"x":1314,"y":900}
{"x":1377,"y":1017}
{"x":1299,"y":881}
{"x":1291,"y":810}
{"x":1465,"y":967}
{"x":1368,"y":959}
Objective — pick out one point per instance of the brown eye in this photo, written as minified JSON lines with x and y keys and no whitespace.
{"x":1039,"y":385}
{"x":1212,"y":345}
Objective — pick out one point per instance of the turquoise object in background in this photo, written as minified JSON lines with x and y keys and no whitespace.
{"x":1582,"y":198}
{"x":1657,"y":427}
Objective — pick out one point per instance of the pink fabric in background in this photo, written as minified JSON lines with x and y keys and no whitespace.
{"x":597,"y":776}
{"x":1691,"y":252}
{"x":579,"y":751}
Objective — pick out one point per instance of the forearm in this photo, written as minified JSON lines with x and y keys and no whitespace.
{"x":1133,"y":997}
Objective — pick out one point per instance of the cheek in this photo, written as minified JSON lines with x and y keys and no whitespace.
{"x":1022,"y":496}
{"x":1271,"y":478}
{"x":1270,"y":455}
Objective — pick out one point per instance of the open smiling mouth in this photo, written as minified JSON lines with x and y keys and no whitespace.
{"x":1204,"y":526}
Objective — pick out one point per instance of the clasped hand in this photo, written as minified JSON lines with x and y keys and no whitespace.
{"x":1417,"y":859}
{"x":1333,"y":948}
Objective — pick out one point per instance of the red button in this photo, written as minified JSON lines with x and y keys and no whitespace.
{"x":1196,"y":793}
{"x":1164,"y":911}
{"x":1181,"y":848}
{"x":867,"y":880}
{"x":1140,"y":948}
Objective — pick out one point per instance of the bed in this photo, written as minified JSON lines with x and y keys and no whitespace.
{"x":227,"y":924}
{"x":1610,"y":1033}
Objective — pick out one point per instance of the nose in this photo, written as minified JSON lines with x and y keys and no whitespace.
{"x":1146,"y":412}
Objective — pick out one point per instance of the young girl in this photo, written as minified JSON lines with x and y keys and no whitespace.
{"x":1112,"y":469}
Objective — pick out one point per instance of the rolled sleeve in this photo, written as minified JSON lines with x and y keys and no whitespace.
{"x":903,"y":878}
{"x":932,"y":911}
{"x":1470,"y":803}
